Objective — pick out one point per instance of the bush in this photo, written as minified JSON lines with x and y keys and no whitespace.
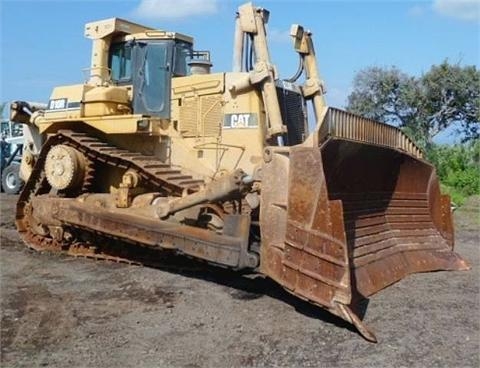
{"x":457,"y":198}
{"x":458,"y":167}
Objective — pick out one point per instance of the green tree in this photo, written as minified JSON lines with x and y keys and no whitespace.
{"x":458,"y":167}
{"x":446,"y":96}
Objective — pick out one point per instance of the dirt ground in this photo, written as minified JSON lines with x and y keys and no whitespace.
{"x":67,"y":312}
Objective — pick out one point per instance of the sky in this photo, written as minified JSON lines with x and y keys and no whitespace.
{"x":42,"y":42}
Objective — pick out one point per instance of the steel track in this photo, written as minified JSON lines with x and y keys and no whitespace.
{"x":153,"y":172}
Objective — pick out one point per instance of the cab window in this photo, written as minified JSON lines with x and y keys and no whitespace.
{"x":183,"y":54}
{"x":121,"y":63}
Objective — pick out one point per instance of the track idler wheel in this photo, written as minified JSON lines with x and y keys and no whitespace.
{"x":65,"y":167}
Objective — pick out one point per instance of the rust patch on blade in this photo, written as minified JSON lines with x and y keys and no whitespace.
{"x":312,"y":260}
{"x":396,"y":221}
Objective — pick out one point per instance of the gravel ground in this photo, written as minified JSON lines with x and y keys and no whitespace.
{"x":66,"y":312}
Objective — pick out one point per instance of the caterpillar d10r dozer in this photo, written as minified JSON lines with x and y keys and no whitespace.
{"x":155,"y":153}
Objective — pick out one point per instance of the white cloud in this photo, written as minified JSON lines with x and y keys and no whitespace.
{"x":175,"y":9}
{"x":468,"y":10}
{"x":277,"y":35}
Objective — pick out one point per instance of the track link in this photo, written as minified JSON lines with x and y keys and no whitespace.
{"x":165,"y":178}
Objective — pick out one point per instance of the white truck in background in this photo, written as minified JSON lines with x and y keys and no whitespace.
{"x":12,"y":141}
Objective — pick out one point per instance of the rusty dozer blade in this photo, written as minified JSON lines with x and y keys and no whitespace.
{"x":345,"y":219}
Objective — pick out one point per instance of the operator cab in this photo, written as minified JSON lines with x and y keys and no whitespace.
{"x":148,"y":66}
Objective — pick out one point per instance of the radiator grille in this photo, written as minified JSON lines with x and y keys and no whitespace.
{"x":292,"y":108}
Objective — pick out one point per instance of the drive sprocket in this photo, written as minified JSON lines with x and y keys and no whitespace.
{"x":65,"y":167}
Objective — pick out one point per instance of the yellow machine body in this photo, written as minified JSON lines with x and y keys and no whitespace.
{"x":156,"y":153}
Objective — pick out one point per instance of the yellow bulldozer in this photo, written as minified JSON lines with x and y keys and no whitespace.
{"x":155,"y":153}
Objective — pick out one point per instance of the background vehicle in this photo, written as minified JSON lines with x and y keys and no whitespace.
{"x":154,"y":152}
{"x":10,"y":156}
